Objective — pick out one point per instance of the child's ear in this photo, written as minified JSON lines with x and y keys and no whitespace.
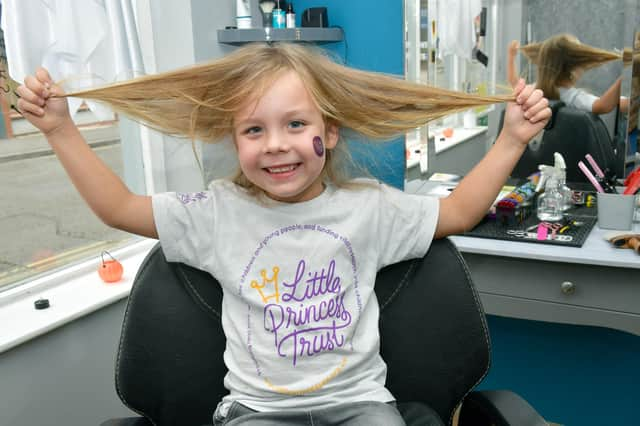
{"x":332,"y":134}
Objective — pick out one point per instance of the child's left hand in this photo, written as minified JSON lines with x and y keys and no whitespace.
{"x":526,"y":117}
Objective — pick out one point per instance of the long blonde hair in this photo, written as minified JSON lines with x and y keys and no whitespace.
{"x":200,"y":101}
{"x":558,"y":57}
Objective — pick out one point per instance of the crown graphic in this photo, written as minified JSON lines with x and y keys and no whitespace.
{"x":274,"y":280}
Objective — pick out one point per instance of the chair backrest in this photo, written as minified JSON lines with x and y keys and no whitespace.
{"x":573,"y":133}
{"x":170,"y":369}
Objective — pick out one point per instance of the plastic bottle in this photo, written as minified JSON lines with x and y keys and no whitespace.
{"x":243,"y":14}
{"x":290,"y":16}
{"x":551,"y":202}
{"x":561,"y":172}
{"x":278,"y":16}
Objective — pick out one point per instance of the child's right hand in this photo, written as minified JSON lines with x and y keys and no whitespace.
{"x":37,"y":105}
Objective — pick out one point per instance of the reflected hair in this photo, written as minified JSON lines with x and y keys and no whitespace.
{"x":199,"y":102}
{"x":558,"y":57}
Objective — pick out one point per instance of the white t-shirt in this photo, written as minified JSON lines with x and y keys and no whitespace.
{"x":577,"y":98}
{"x":299,"y":311}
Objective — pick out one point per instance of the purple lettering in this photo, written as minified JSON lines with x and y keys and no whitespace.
{"x":319,"y":283}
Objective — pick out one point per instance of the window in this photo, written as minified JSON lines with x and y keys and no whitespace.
{"x":44,"y":223}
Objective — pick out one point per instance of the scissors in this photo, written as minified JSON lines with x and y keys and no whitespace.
{"x":520,"y":233}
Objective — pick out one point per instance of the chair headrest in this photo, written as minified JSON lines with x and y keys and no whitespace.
{"x":555,"y":107}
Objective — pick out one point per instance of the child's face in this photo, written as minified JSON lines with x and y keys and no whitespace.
{"x":275,"y":136}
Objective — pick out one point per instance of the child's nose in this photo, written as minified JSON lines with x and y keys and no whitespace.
{"x":276,"y":142}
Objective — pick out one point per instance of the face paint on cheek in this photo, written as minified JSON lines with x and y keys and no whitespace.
{"x":318,"y":146}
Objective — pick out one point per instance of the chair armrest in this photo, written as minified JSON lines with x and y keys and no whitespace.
{"x":127,"y":421}
{"x":499,"y":408}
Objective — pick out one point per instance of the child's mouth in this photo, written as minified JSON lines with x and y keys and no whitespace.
{"x":282,"y":169}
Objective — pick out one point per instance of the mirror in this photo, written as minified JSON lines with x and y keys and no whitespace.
{"x":593,"y":22}
{"x":632,"y":152}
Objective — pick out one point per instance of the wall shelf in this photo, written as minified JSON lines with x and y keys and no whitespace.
{"x":316,"y":35}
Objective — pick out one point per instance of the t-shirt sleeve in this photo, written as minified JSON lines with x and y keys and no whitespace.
{"x":406,"y":226}
{"x":585,"y":100}
{"x":184,"y":222}
{"x":579,"y":98}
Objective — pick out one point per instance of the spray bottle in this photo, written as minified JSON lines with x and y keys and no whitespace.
{"x":556,"y":198}
{"x":561,"y":171}
{"x":550,"y":202}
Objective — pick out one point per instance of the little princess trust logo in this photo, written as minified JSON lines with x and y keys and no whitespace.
{"x":303,"y":309}
{"x":312,"y":325}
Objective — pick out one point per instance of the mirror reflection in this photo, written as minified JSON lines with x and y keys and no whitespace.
{"x":506,"y":38}
{"x":632,"y":153}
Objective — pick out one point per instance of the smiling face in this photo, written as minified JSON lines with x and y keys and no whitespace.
{"x":274,"y":136}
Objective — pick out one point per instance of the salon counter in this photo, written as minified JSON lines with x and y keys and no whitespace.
{"x":564,"y":323}
{"x":595,"y":284}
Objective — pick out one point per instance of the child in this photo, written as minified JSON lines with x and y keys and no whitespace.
{"x":296,"y":251}
{"x":561,"y":60}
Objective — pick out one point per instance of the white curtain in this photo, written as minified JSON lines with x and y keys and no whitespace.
{"x":83,"y":43}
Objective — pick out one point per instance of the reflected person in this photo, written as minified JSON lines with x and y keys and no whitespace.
{"x":561,"y":61}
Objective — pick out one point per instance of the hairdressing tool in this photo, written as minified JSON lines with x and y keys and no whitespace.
{"x":590,"y":176}
{"x":631,"y":176}
{"x":607,"y":182}
{"x":519,"y":233}
{"x":517,"y":205}
{"x":630,"y":241}
{"x":545,"y":227}
{"x":542,"y":232}
{"x":570,"y":225}
{"x":632,"y":183}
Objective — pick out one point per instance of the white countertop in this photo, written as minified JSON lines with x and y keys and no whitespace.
{"x":595,"y":251}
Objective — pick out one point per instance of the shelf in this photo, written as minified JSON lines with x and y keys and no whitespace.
{"x":317,"y":35}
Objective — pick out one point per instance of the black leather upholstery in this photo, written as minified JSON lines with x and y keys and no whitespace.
{"x":170,"y":369}
{"x":573,"y":133}
{"x":429,"y":312}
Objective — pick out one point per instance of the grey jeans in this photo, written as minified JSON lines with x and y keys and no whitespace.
{"x":366,"y":413}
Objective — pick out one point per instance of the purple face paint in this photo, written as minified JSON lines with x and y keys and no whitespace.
{"x":318,"y":146}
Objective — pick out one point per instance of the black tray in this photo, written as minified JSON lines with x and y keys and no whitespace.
{"x":575,"y":236}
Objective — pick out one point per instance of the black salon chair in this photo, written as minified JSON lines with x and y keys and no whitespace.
{"x":573,"y":133}
{"x":170,"y":370}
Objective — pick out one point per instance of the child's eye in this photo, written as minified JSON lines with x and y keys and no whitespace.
{"x":296,"y":124}
{"x":252,"y":130}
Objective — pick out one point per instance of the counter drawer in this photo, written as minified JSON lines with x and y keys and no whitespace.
{"x":602,"y":287}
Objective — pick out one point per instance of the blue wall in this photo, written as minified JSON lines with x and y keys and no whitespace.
{"x":374,"y":42}
{"x":573,"y":375}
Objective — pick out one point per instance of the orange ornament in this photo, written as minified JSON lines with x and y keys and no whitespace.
{"x":110,"y":271}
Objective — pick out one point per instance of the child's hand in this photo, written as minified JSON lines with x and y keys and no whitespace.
{"x":38,"y":106}
{"x":526,"y":117}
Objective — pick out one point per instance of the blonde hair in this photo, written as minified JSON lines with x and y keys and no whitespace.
{"x":558,"y":57}
{"x":200,"y":101}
